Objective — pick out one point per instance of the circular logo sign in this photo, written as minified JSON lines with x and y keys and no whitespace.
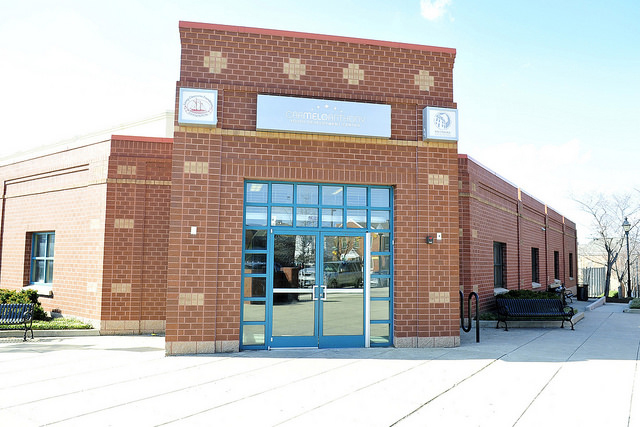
{"x":442,"y":121}
{"x":198,"y":105}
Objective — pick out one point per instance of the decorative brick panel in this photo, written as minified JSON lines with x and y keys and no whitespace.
{"x":126,"y":170}
{"x":353,"y":74}
{"x":196,"y":167}
{"x":123,"y":223}
{"x":215,"y":62}
{"x":121,"y":288}
{"x":439,"y":179}
{"x":424,"y":80}
{"x":294,"y":68}
{"x":191,"y":299}
{"x":439,"y":297}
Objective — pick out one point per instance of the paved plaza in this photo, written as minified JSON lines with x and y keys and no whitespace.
{"x":523,"y":377}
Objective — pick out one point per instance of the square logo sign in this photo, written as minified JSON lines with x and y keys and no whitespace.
{"x":198,"y":107}
{"x":440,"y":123}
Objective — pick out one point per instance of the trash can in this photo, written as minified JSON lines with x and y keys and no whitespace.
{"x":583,"y":292}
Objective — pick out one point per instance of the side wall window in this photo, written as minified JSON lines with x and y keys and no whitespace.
{"x":499,"y":268}
{"x":42,"y":250}
{"x":556,"y":265}
{"x":535,"y":265}
{"x":570,"y":265}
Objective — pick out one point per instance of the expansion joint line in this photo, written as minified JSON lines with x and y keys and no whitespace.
{"x":633,"y":388}
{"x":490,"y":364}
{"x":559,"y":369}
{"x":462,"y":381}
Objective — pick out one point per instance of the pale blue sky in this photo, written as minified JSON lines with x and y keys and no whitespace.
{"x":547,"y":90}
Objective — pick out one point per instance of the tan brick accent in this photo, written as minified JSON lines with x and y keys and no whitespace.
{"x":121,"y":288}
{"x":191,"y":299}
{"x":424,"y":80}
{"x":474,"y":233}
{"x":138,"y":181}
{"x":126,"y":170}
{"x":196,"y":167}
{"x":439,"y":297}
{"x":215,"y":62}
{"x":294,"y":68}
{"x":353,"y":74}
{"x":435,"y":179}
{"x":123,"y":223}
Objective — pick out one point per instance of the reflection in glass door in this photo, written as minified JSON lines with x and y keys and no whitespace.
{"x":294,"y":305}
{"x":311,"y":310}
{"x":342,"y":302}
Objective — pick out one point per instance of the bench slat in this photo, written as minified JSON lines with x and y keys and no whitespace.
{"x":15,"y":314}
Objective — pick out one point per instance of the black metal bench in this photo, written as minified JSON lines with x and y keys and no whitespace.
{"x":15,"y":314}
{"x":531,"y":308}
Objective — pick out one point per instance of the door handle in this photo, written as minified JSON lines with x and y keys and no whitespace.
{"x":313,"y":295}
{"x":324,"y":292}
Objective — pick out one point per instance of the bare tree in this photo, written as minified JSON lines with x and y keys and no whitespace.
{"x":608,"y":214}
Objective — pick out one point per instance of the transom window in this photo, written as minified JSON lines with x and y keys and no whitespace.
{"x":42,"y":251}
{"x":317,"y":206}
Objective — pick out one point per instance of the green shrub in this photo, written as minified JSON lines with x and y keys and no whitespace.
{"x":54,"y":324}
{"x":23,"y":297}
{"x":613,"y":294}
{"x":527,"y":294}
{"x":635,"y":303}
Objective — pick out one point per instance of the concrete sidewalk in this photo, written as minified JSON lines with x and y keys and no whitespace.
{"x":523,"y":377}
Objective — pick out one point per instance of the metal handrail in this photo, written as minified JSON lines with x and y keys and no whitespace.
{"x":462,"y":325}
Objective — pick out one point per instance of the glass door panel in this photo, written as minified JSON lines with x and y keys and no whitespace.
{"x":342,"y":302}
{"x":293,"y":293}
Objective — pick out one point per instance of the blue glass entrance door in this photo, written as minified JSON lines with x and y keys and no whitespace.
{"x":309,"y":309}
{"x":342,"y":302}
{"x":294,"y":291}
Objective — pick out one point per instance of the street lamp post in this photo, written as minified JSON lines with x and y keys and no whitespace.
{"x":626,"y":227}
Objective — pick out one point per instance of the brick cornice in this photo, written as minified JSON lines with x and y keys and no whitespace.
{"x":295,"y":34}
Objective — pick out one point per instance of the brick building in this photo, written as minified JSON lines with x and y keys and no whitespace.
{"x":509,"y":239}
{"x":310,"y":197}
{"x":97,"y":215}
{"x":234,"y":273}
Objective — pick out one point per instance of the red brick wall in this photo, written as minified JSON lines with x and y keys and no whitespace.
{"x":136,"y":235}
{"x":208,"y":265}
{"x":63,"y":192}
{"x":78,"y":193}
{"x":493,"y":210}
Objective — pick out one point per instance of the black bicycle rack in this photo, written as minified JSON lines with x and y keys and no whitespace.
{"x":462,"y":325}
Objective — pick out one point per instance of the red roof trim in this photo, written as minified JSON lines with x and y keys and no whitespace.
{"x":282,"y":33}
{"x":141,"y":138}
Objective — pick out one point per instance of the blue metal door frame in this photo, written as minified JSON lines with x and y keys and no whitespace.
{"x":319,"y":292}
